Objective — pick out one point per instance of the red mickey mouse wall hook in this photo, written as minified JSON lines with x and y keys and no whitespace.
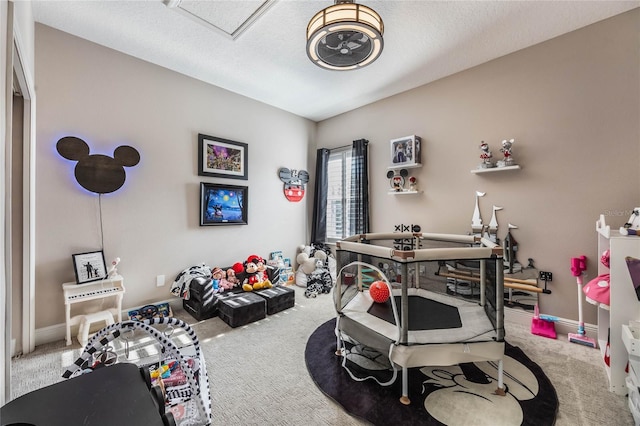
{"x":294,"y":181}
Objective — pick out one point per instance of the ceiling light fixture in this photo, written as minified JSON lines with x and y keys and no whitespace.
{"x":345,"y":36}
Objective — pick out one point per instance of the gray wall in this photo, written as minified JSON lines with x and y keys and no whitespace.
{"x":571,"y":103}
{"x":151,"y":223}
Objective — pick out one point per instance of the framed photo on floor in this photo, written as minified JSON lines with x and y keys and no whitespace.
{"x":89,"y":266}
{"x":224,"y":158}
{"x":222,"y":204}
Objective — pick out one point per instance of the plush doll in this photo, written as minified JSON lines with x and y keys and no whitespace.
{"x":228,"y":280}
{"x":319,"y":281}
{"x":262,"y":270}
{"x":307,"y":264}
{"x":252,"y":276}
{"x":232,"y":279}
{"x":218,"y":280}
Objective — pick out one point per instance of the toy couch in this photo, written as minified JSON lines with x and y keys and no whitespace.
{"x":237,"y":307}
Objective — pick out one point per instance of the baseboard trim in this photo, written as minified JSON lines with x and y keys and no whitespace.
{"x":563,"y":325}
{"x":57,"y":332}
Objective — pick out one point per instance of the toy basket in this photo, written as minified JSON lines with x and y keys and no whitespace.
{"x":196,"y":389}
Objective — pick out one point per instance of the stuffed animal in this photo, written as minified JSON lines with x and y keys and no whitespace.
{"x":231,"y":281}
{"x":219,"y":278}
{"x":262,"y":270}
{"x":307,"y":264}
{"x":253,"y":276}
{"x":319,"y":281}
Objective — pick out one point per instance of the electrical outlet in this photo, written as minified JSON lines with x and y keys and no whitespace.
{"x":160,"y":280}
{"x":546,"y":276}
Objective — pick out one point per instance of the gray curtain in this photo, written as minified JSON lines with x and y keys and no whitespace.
{"x":360,"y":187}
{"x":319,"y":221}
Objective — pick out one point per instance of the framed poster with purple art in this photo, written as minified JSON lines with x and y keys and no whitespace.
{"x":224,"y":158}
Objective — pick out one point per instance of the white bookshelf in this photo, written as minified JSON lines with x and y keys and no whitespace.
{"x":624,"y":303}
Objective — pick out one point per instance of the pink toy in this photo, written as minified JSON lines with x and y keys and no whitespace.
{"x":578,"y":267}
{"x":541,"y":327}
{"x":379,"y":292}
{"x":597,"y":291}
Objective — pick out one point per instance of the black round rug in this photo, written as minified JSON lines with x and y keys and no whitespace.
{"x":456,"y":395}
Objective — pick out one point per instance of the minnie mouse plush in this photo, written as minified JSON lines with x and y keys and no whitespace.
{"x":262,"y":270}
{"x":255,"y":274}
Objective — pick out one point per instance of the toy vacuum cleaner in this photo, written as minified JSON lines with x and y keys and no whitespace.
{"x":578,"y":266}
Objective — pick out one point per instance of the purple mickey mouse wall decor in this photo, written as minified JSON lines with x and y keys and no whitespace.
{"x":96,"y":172}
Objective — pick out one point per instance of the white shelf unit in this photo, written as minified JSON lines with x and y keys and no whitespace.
{"x":406,"y":166}
{"x":407,"y":192}
{"x":496,"y":169}
{"x":404,"y":191}
{"x":624,"y":303}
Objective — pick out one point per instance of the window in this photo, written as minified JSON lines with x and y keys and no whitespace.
{"x":339,"y":219}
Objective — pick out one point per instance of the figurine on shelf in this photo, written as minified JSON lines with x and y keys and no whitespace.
{"x":632,"y":226}
{"x":413,"y":183}
{"x":396,"y":179}
{"x":397,"y":182}
{"x":113,"y":270}
{"x":507,"y":146}
{"x":486,"y":156}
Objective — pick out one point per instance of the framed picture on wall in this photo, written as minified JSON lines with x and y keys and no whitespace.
{"x":405,"y":151}
{"x":219,"y":157}
{"x":89,"y":266}
{"x":223,"y":204}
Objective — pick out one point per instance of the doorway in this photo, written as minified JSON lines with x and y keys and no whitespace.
{"x":18,"y":206}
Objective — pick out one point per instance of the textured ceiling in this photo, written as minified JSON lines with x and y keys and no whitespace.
{"x":263,"y":56}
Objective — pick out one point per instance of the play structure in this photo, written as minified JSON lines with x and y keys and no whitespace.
{"x":421,"y":324}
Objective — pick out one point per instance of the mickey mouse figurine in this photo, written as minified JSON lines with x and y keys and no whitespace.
{"x":396,"y":179}
{"x":507,"y":147}
{"x":486,"y":156}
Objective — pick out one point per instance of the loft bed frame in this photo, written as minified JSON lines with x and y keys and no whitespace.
{"x":480,"y":336}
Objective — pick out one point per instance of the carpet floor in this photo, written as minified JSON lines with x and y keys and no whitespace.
{"x":258,"y":375}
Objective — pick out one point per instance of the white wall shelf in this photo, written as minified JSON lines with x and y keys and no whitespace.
{"x":406,"y":166}
{"x":496,"y":169}
{"x":407,"y":192}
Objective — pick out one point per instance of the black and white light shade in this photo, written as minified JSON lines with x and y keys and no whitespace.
{"x":345,"y":36}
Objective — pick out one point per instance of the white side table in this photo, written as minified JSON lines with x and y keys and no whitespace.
{"x":110,"y":289}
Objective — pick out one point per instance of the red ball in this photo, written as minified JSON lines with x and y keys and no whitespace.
{"x":379,"y":292}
